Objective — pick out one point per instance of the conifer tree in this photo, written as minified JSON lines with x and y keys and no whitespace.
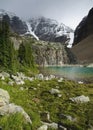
{"x":25,"y":55}
{"x":7,"y":52}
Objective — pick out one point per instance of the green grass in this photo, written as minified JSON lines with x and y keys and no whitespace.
{"x":38,"y":100}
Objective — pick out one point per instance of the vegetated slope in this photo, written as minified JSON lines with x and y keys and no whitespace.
{"x":49,"y":100}
{"x":84,"y":50}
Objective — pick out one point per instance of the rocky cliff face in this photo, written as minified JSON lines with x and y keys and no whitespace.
{"x":85,"y":28}
{"x":49,"y":53}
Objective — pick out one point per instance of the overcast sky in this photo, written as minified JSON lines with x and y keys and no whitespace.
{"x":69,"y":12}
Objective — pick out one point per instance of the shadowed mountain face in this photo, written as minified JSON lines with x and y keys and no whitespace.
{"x":16,"y":24}
{"x":85,"y":28}
{"x":83,"y":41}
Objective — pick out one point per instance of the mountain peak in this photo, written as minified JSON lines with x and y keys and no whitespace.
{"x":90,"y":14}
{"x":4,"y":12}
{"x":50,"y":30}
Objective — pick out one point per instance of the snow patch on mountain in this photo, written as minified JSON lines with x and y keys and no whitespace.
{"x":3,"y":12}
{"x":71,"y":38}
{"x":48,"y":29}
{"x":30,"y":31}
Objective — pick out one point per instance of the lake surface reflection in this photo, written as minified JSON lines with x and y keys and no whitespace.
{"x":70,"y":72}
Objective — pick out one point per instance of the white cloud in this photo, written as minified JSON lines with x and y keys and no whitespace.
{"x":70,"y":12}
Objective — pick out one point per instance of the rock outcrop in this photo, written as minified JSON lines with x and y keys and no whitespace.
{"x":50,"y":53}
{"x":7,"y":108}
{"x":80,"y":99}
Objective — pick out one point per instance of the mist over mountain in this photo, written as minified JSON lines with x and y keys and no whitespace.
{"x":40,"y":28}
{"x":50,"y":30}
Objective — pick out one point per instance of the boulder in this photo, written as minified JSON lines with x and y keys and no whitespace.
{"x":20,"y":82}
{"x":43,"y":127}
{"x":6,"y":108}
{"x":80,"y":99}
{"x":4,"y":75}
{"x":21,"y":75}
{"x":39,"y":76}
{"x":62,"y":127}
{"x":68,"y":117}
{"x":30,"y":79}
{"x":80,"y":82}
{"x":4,"y":97}
{"x":60,"y":80}
{"x":52,"y":125}
{"x":54,"y":91}
{"x":51,"y":77}
{"x":12,"y":109}
{"x":11,"y":82}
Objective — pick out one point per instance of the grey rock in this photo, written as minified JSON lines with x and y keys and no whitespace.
{"x":62,"y":127}
{"x":4,"y":75}
{"x":60,"y":80}
{"x":6,"y":108}
{"x":46,"y":53}
{"x":52,"y":125}
{"x":12,"y":109}
{"x":80,"y":99}
{"x":39,"y":76}
{"x":4,"y":97}
{"x":54,"y":91}
{"x":68,"y":117}
{"x":11,"y":82}
{"x":43,"y":127}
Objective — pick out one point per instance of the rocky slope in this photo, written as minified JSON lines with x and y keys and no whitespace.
{"x":47,"y":53}
{"x":52,"y":103}
{"x":83,"y":40}
{"x":85,"y":28}
{"x":84,"y":50}
{"x":50,"y":54}
{"x":50,"y":30}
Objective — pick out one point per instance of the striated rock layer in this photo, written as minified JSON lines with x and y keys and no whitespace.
{"x":48,"y":53}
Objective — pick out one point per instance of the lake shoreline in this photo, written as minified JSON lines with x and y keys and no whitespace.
{"x":70,"y":72}
{"x":68,"y":65}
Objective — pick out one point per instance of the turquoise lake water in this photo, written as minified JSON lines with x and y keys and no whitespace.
{"x":74,"y":73}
